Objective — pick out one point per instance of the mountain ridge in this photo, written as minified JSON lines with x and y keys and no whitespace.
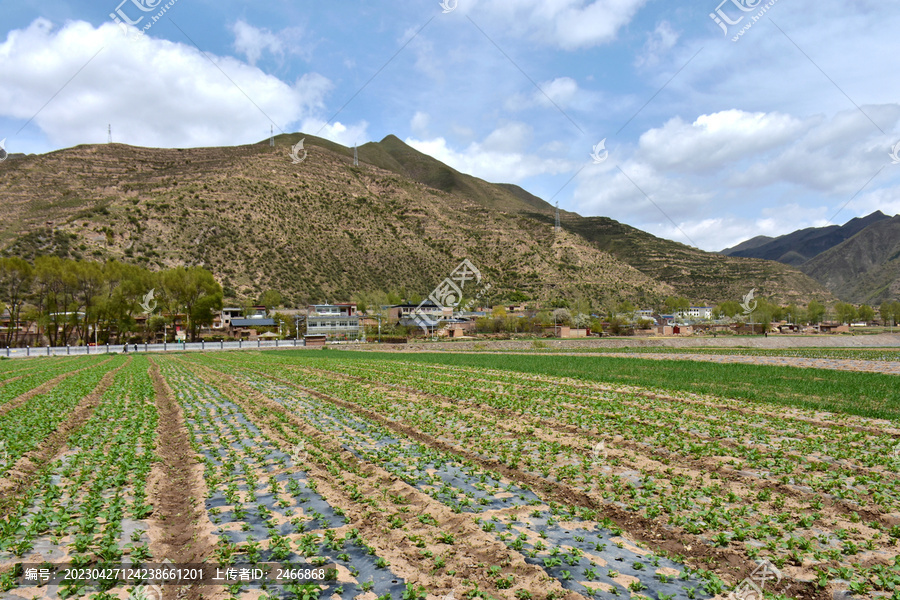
{"x":326,"y":229}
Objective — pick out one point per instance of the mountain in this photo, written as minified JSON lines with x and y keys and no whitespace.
{"x":864,"y":268}
{"x":798,"y":247}
{"x":325,"y":229}
{"x":750,"y":244}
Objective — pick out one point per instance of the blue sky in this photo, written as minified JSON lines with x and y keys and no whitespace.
{"x":710,"y":141}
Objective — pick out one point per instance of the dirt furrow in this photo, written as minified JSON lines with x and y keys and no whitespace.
{"x":180,"y":530}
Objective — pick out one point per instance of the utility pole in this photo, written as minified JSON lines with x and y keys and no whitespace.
{"x":271,"y":136}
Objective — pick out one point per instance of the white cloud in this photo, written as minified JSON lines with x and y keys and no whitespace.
{"x":154,"y":92}
{"x":568,"y":24}
{"x":663,"y":39}
{"x":717,"y":140}
{"x":501,"y":157}
{"x":419,"y":123}
{"x":346,"y":135}
{"x":253,"y":41}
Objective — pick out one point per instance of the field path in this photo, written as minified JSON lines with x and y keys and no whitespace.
{"x":180,"y":530}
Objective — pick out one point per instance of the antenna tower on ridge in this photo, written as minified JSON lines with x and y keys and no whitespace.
{"x":557,"y":217}
{"x":271,"y":136}
{"x":109,"y":134}
{"x":355,"y":156}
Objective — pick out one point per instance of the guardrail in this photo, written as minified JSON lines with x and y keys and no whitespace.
{"x":34,"y":351}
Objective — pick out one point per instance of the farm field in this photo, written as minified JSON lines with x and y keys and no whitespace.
{"x":449,"y":476}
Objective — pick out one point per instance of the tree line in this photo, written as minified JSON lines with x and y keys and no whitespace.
{"x":73,"y":301}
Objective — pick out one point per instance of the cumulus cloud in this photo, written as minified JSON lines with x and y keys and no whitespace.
{"x":568,"y":24}
{"x":716,"y":140}
{"x":341,"y":133}
{"x":252,"y":41}
{"x":501,"y":157}
{"x":154,"y":92}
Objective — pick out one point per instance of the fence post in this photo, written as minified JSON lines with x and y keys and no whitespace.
{"x":27,"y":350}
{"x":258,"y":343}
{"x":221,"y":344}
{"x":276,"y":342}
{"x":240,"y":343}
{"x":203,"y":344}
{"x":107,"y":347}
{"x":67,"y":349}
{"x":48,"y":349}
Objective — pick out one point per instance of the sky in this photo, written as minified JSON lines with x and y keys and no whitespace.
{"x":703,"y":122}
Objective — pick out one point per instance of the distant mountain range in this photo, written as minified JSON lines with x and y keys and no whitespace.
{"x":858,"y":261}
{"x":326,"y":230}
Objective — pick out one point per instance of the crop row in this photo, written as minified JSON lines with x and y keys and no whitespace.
{"x":25,"y":426}
{"x":265,"y":506}
{"x":839,"y":461}
{"x":513,"y":514}
{"x":89,"y":506}
{"x":727,"y":513}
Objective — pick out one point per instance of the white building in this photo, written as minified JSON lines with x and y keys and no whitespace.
{"x":697,"y":312}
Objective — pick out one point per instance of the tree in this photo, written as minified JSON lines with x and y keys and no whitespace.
{"x":562,"y":316}
{"x":626,"y":308}
{"x":845,"y":312}
{"x":729,"y":308}
{"x":793,"y":313}
{"x":677,"y":304}
{"x":270,"y":299}
{"x":815,"y":311}
{"x":196,"y":293}
{"x":866,"y":313}
{"x":16,"y":277}
{"x":890,"y":312}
